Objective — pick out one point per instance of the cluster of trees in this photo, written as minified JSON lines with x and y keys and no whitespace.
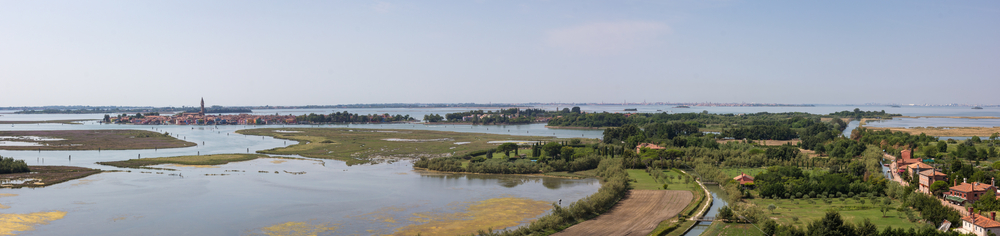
{"x":790,"y":119}
{"x":857,"y":114}
{"x":502,"y":116}
{"x":9,"y":165}
{"x":433,"y":118}
{"x":929,"y":207}
{"x":614,"y":186}
{"x":790,"y":181}
{"x":557,"y":157}
{"x":966,"y":150}
{"x":347,"y":117}
{"x":760,"y":132}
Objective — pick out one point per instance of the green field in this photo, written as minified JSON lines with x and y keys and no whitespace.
{"x":850,"y":210}
{"x":217,"y":159}
{"x":645,"y":181}
{"x":365,"y":145}
{"x":732,"y":229}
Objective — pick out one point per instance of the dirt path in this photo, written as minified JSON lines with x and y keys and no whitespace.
{"x":637,"y":214}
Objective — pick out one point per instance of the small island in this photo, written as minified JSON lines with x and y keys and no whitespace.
{"x":18,"y":174}
{"x":88,"y":140}
{"x":217,"y":159}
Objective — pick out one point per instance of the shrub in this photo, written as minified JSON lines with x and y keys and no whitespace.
{"x":9,"y":165}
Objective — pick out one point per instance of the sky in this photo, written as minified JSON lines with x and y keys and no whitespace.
{"x":241,"y":53}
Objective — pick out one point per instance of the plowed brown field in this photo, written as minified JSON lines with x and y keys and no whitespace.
{"x":637,"y":214}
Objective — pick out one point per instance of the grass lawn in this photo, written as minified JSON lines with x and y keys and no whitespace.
{"x":645,"y":181}
{"x":217,"y":159}
{"x":720,"y":228}
{"x":850,"y":210}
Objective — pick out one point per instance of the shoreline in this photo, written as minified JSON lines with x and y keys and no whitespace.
{"x":27,"y":122}
{"x":943,"y":131}
{"x":574,"y":127}
{"x":88,"y":140}
{"x":47,"y":176}
{"x":419,"y":169}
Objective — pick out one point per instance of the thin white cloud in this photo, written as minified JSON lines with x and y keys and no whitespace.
{"x":607,"y":37}
{"x":383,"y":7}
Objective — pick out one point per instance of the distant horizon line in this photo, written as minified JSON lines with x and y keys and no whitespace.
{"x":499,"y":105}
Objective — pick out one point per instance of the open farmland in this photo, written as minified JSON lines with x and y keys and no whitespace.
{"x":637,"y":214}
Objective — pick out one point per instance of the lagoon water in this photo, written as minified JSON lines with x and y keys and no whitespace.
{"x":359,"y":199}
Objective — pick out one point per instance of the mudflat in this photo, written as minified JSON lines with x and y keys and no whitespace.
{"x":41,"y":176}
{"x":637,"y":214}
{"x":90,"y":140}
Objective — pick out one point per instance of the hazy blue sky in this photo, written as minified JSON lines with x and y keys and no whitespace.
{"x":171,"y":53}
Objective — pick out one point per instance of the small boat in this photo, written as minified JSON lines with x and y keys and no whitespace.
{"x":977,"y":108}
{"x":682,"y":107}
{"x":896,"y":106}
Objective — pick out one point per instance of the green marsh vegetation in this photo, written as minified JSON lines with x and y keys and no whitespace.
{"x":358,"y":146}
{"x":614,"y":186}
{"x":216,"y":159}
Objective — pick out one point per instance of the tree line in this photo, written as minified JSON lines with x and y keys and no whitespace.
{"x":347,"y":117}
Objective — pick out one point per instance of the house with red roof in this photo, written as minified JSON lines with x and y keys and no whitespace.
{"x":928,"y":177}
{"x":638,"y":148}
{"x":968,"y":192}
{"x":904,"y":161}
{"x":980,"y":225}
{"x":744,"y":179}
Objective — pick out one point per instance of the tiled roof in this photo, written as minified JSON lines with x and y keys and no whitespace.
{"x":648,"y":145}
{"x":920,"y":165}
{"x":932,"y":172}
{"x":967,"y":187}
{"x":981,"y":221}
{"x":743,"y":178}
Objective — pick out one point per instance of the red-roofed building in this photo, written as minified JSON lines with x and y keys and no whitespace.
{"x":928,"y":177}
{"x":744,"y":179}
{"x":639,"y":147}
{"x":968,"y":192}
{"x":918,"y":167}
{"x":903,"y":161}
{"x":981,"y":225}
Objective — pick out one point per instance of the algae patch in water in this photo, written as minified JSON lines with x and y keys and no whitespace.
{"x":6,"y":195}
{"x":10,"y":223}
{"x":298,"y":229}
{"x":495,"y":213}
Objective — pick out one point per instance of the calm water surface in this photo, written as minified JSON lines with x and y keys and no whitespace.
{"x":236,"y":198}
{"x":202,"y":201}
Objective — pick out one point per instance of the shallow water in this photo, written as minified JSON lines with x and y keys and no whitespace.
{"x":254,"y":196}
{"x":718,"y":200}
{"x":331,"y":197}
{"x":204,"y":201}
{"x":934,"y":122}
